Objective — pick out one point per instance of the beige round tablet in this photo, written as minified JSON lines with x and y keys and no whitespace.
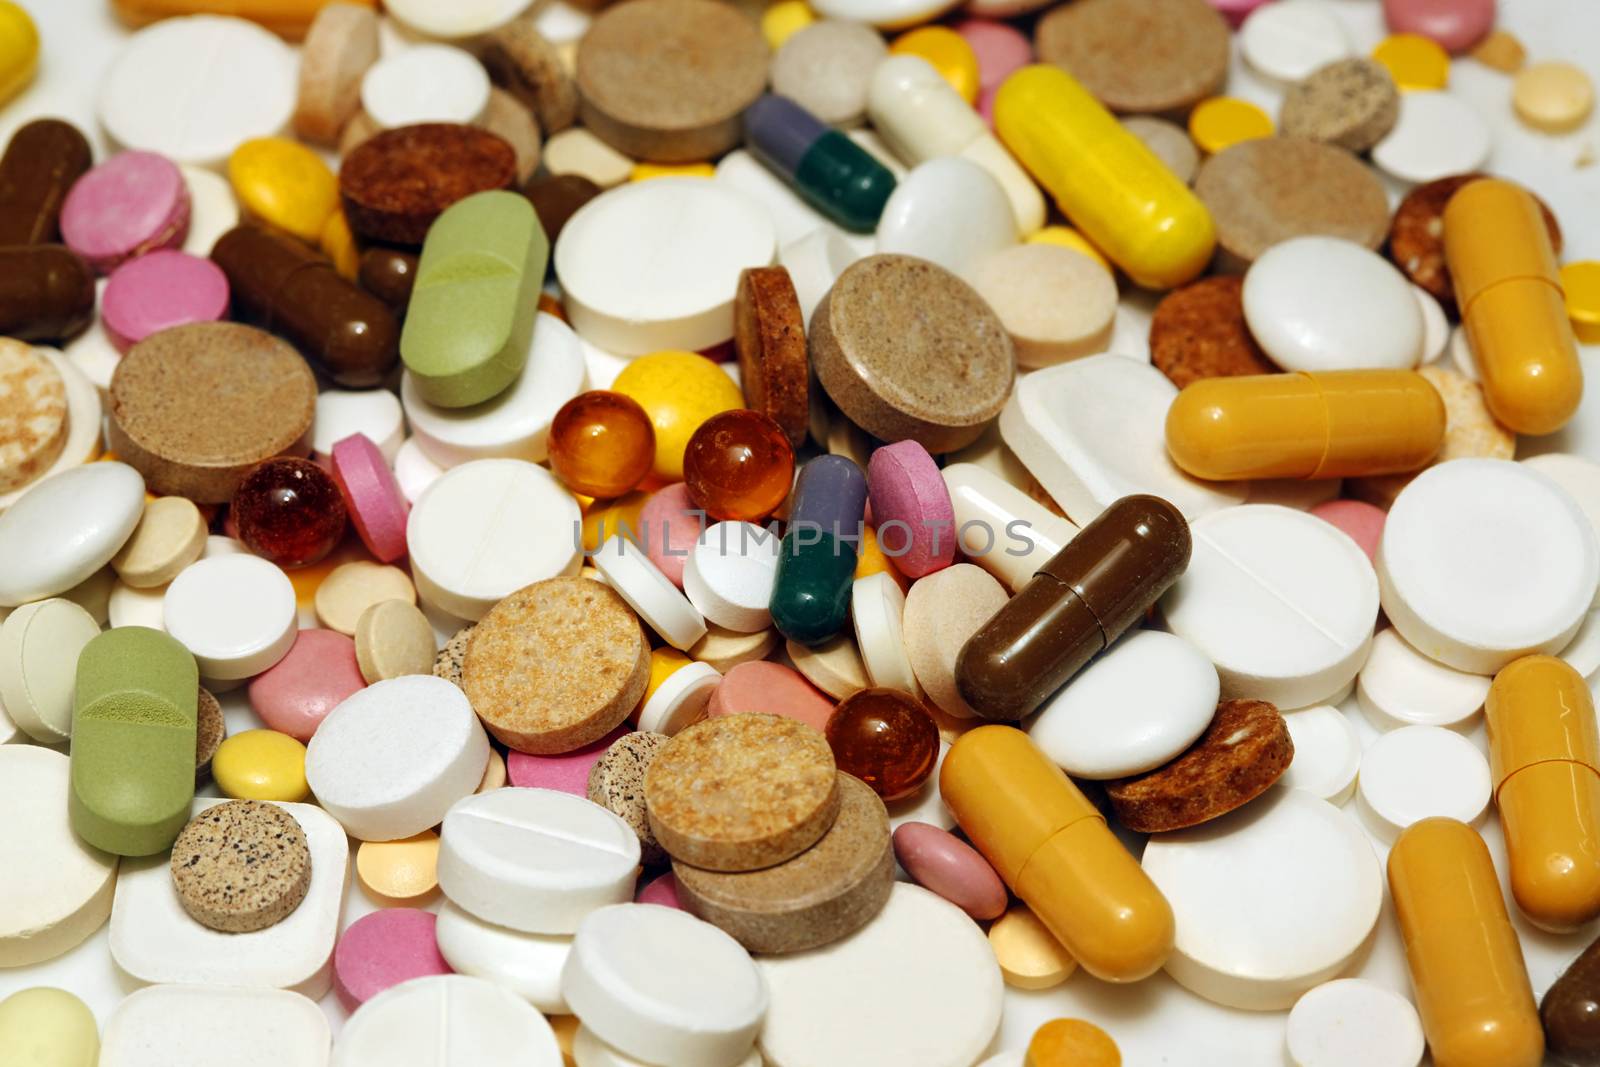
{"x":1057,"y":304}
{"x":33,"y":414}
{"x":826,"y":67}
{"x":742,"y":792}
{"x":240,"y":866}
{"x":351,"y":588}
{"x":1029,"y":955}
{"x":171,"y":535}
{"x":1350,"y":103}
{"x":210,"y":730}
{"x":514,"y":124}
{"x":494,"y":773}
{"x":339,"y":47}
{"x":942,"y":611}
{"x":577,"y":151}
{"x":1554,"y":97}
{"x":447,"y":664}
{"x":834,"y":666}
{"x":1139,"y":55}
{"x":724,"y":649}
{"x":616,"y":783}
{"x":39,"y":647}
{"x":1170,"y":142}
{"x":394,"y":638}
{"x":400,"y":873}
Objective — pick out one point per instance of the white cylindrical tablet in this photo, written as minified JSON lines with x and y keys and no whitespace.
{"x":165,"y":1025}
{"x":877,"y":607}
{"x":414,"y":470}
{"x":662,"y":985}
{"x":1438,"y":134}
{"x":39,"y":646}
{"x":536,"y":860}
{"x":1417,"y":772}
{"x":1354,"y":1021}
{"x":1281,"y":601}
{"x":1327,"y":753}
{"x":373,"y":412}
{"x":589,"y":1051}
{"x":1270,"y":900}
{"x":138,"y":607}
{"x":1399,"y":686}
{"x":391,"y":759}
{"x":527,"y":964}
{"x":235,"y":614}
{"x":1288,"y":40}
{"x":1483,"y":561}
{"x":425,"y":83}
{"x":730,"y":573}
{"x":66,"y":527}
{"x":1583,"y":651}
{"x":649,"y":592}
{"x":949,"y":211}
{"x":681,"y":700}
{"x":1580,"y":477}
{"x":446,"y":1020}
{"x":459,"y":19}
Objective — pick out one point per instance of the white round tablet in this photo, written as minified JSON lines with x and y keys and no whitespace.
{"x":730,"y":573}
{"x":425,"y":83}
{"x":1399,"y":686}
{"x":1483,"y":561}
{"x":92,"y":354}
{"x":66,"y":527}
{"x":414,"y":470}
{"x":1270,"y":900}
{"x":1580,"y":477}
{"x":1417,"y":772}
{"x":1350,"y":1021}
{"x":681,"y":700}
{"x":138,"y":607}
{"x":640,"y":582}
{"x":1583,"y":651}
{"x":342,"y":413}
{"x":886,"y":14}
{"x":527,"y":964}
{"x":1435,"y":327}
{"x":589,"y":1051}
{"x":1437,"y":135}
{"x":235,"y":614}
{"x":213,"y":209}
{"x":193,"y":89}
{"x":655,"y":265}
{"x":460,"y":18}
{"x":446,"y":1020}
{"x":1327,"y":753}
{"x":877,"y":608}
{"x":1288,"y":40}
{"x":949,"y":211}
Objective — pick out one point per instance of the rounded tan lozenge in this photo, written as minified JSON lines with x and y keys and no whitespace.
{"x":351,"y":588}
{"x":556,"y":665}
{"x":1055,"y":303}
{"x":942,"y":611}
{"x":1170,"y":142}
{"x":1142,"y":56}
{"x":210,"y":730}
{"x":340,"y":46}
{"x":616,"y":782}
{"x":834,"y":666}
{"x":171,"y":535}
{"x":1029,"y":955}
{"x":448,"y":663}
{"x":240,"y":866}
{"x":742,"y":792}
{"x":769,"y":335}
{"x":33,"y":414}
{"x":394,"y":638}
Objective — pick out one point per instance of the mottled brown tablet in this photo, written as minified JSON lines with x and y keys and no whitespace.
{"x":557,"y":197}
{"x":1350,"y":103}
{"x":241,"y":866}
{"x":447,"y":664}
{"x":769,"y":334}
{"x":396,"y":183}
{"x":1198,"y":331}
{"x":616,"y":783}
{"x":209,"y":731}
{"x":1139,"y":55}
{"x":520,"y":60}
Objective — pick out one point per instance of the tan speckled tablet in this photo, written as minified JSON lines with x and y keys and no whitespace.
{"x":826,"y":892}
{"x":1057,"y":304}
{"x":826,"y":68}
{"x":240,"y":866}
{"x":769,"y":334}
{"x":448,"y":663}
{"x":1198,"y":331}
{"x":194,"y":408}
{"x":616,"y":782}
{"x":525,"y":64}
{"x":394,"y":638}
{"x":339,"y":48}
{"x":742,"y":792}
{"x":942,"y":611}
{"x":351,"y":588}
{"x":33,"y":414}
{"x":210,"y":729}
{"x":1139,"y":55}
{"x":171,"y":535}
{"x":1170,"y":142}
{"x":556,"y":665}
{"x":1350,"y":103}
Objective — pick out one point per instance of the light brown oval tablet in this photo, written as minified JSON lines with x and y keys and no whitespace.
{"x":826,"y":67}
{"x":340,"y":46}
{"x":742,"y":792}
{"x":616,"y":783}
{"x":943,"y":610}
{"x":394,"y":638}
{"x":1198,"y":331}
{"x":520,"y":60}
{"x":556,"y":665}
{"x":825,"y":893}
{"x":194,"y":408}
{"x":351,"y":588}
{"x":725,"y":649}
{"x":1170,"y":142}
{"x":1057,"y":304}
{"x":447,"y":664}
{"x":834,"y":666}
{"x":1350,"y":103}
{"x":1029,"y":955}
{"x":909,"y":351}
{"x":240,"y":866}
{"x":210,"y":729}
{"x":509,"y":120}
{"x":667,"y":80}
{"x":769,"y":335}
{"x":171,"y":535}
{"x":1139,"y":55}
{"x":33,"y":414}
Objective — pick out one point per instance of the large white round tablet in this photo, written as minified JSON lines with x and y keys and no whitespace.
{"x":1270,"y":900}
{"x":1483,"y":561}
{"x":1417,"y":772}
{"x":917,"y":984}
{"x":1437,"y":135}
{"x":193,"y":89}
{"x":425,"y":83}
{"x":1288,"y":40}
{"x":65,"y":528}
{"x":527,"y":964}
{"x":949,"y":211}
{"x":446,"y":1020}
{"x":1351,"y":1021}
{"x":457,"y":19}
{"x":1327,"y":753}
{"x":1580,"y":477}
{"x":1136,"y":706}
{"x":1399,"y":686}
{"x":1322,"y":303}
{"x":589,"y":1051}
{"x":1583,"y":651}
{"x":1282,"y":602}
{"x":655,"y":265}
{"x":235,"y":614}
{"x":730,"y":573}
{"x":164,"y":1025}
{"x":629,"y":979}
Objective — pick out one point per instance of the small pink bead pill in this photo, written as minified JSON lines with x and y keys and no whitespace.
{"x":1455,"y":25}
{"x":772,"y":689}
{"x":1001,"y":49}
{"x":1363,"y":522}
{"x":669,"y":526}
{"x":159,"y":291}
{"x":1235,"y":10}
{"x":911,"y":509}
{"x":383,"y":949}
{"x":371,"y":495}
{"x":296,"y":694}
{"x":942,"y":863}
{"x":133,"y":203}
{"x":566,"y":773}
{"x":662,"y":890}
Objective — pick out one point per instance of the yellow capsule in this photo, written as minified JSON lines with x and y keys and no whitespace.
{"x":1105,"y":180}
{"x":1581,"y":281}
{"x":1071,"y":1043}
{"x":288,"y":18}
{"x":946,"y":52}
{"x":1465,"y":960}
{"x":1416,"y":63}
{"x":19,"y":50}
{"x":1327,"y":424}
{"x":679,"y":390}
{"x":339,"y":245}
{"x":261,"y":765}
{"x":1223,"y":121}
{"x":284,"y":184}
{"x":1067,"y":237}
{"x":784,"y":19}
{"x":643,"y":172}
{"x":1504,"y":270}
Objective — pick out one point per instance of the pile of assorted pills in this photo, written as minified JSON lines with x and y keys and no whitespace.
{"x":689,"y":533}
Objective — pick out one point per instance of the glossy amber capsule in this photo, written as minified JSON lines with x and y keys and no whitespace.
{"x":289,"y":511}
{"x":601,"y":444}
{"x":886,"y":738}
{"x":738,"y":465}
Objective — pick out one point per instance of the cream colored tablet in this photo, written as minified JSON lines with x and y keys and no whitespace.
{"x":39,"y":646}
{"x":724,"y":649}
{"x":1001,"y":528}
{"x":834,"y":666}
{"x":1057,"y":304}
{"x":351,"y":588}
{"x":394,"y":638}
{"x":178,"y":1025}
{"x":171,"y":535}
{"x":877,"y":607}
{"x":84,"y":415}
{"x":942,"y":611}
{"x":1399,"y":686}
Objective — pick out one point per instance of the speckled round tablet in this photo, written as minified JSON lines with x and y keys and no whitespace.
{"x":742,"y":792}
{"x":1139,"y":55}
{"x":1350,"y":103}
{"x":394,"y":638}
{"x":769,"y":334}
{"x":33,"y":414}
{"x":616,"y":782}
{"x":210,"y":728}
{"x":240,"y":866}
{"x":909,"y":351}
{"x":1198,"y":331}
{"x":195,"y":408}
{"x":396,"y":183}
{"x":520,"y":58}
{"x":448,"y":663}
{"x":825,"y":68}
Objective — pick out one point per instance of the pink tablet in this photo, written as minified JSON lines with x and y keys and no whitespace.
{"x":298,"y":692}
{"x":911,"y":509}
{"x":1363,"y":522}
{"x":371,"y":495}
{"x":568,"y":772}
{"x":939,"y":861}
{"x":771,"y":689}
{"x":384,"y":949}
{"x":159,"y":291}
{"x":662,"y":890}
{"x":1000,"y":47}
{"x":669,"y":525}
{"x":1456,"y":25}
{"x":1236,"y":10}
{"x":133,"y":203}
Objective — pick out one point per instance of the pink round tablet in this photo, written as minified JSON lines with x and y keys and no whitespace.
{"x":771,"y":689}
{"x":1000,"y":47}
{"x":662,"y":890}
{"x":568,"y":772}
{"x":942,"y":863}
{"x":911,"y":509}
{"x":299,"y":691}
{"x":133,"y":203}
{"x":669,"y":525}
{"x":1363,"y":522}
{"x":372,"y":495}
{"x":383,"y":949}
{"x":1235,"y":10}
{"x":1455,"y":25}
{"x":160,"y":291}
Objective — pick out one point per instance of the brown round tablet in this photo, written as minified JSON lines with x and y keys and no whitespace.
{"x":1268,"y":190}
{"x":556,"y":665}
{"x":908,"y":351}
{"x":1349,"y":103}
{"x":769,"y":334}
{"x":240,"y":866}
{"x":742,"y":792}
{"x":520,"y":60}
{"x":210,"y":729}
{"x":195,"y":408}
{"x":1139,"y":55}
{"x":668,"y":79}
{"x":825,"y":893}
{"x":557,"y":197}
{"x":1198,"y":331}
{"x":1242,"y":753}
{"x":616,"y":783}
{"x":396,"y":183}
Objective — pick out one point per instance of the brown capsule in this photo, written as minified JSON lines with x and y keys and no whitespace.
{"x":1570,"y":1012}
{"x":1083,"y":599}
{"x":46,"y":292}
{"x":389,"y":274}
{"x":42,"y":161}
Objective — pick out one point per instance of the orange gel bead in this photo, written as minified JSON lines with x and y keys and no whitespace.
{"x":739,"y":465}
{"x":601,"y":444}
{"x":886,"y":738}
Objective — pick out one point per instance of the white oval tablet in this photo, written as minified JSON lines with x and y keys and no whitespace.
{"x":166,"y":1025}
{"x":1461,"y":357}
{"x":681,"y":700}
{"x":1483,"y":561}
{"x":1435,"y":327}
{"x":814,"y":261}
{"x":589,"y":1051}
{"x":730,"y":573}
{"x":949,"y":211}
{"x":39,"y":647}
{"x":235,"y":614}
{"x":425,"y":83}
{"x":1327,"y":753}
{"x":1270,"y":900}
{"x":527,"y":964}
{"x":649,"y":592}
{"x":1437,"y":135}
{"x":877,"y":609}
{"x":446,"y":1020}
{"x":791,"y":217}
{"x":1399,"y":686}
{"x":1288,"y":40}
{"x":457,"y":19}
{"x":1417,"y":772}
{"x":64,"y":528}
{"x":1580,"y":477}
{"x":213,"y":209}
{"x":373,"y":412}
{"x":1353,"y":1021}
{"x":414,"y":470}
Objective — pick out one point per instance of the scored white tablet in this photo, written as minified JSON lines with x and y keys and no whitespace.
{"x":877,"y":607}
{"x":201,"y":1025}
{"x":730,"y":573}
{"x":446,"y":1020}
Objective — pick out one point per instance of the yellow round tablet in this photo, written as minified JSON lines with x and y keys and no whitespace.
{"x":947,"y":52}
{"x":1223,"y":121}
{"x":1554,"y":97}
{"x":19,"y":49}
{"x":285,"y":184}
{"x":47,"y":1027}
{"x":1071,"y":1043}
{"x":401,"y":872}
{"x":261,"y":765}
{"x":784,"y":19}
{"x":664,"y":663}
{"x":619,"y":516}
{"x":679,"y":391}
{"x":1029,"y":955}
{"x":1581,"y":281}
{"x":1067,"y":237}
{"x":1416,"y":63}
{"x":643,"y":172}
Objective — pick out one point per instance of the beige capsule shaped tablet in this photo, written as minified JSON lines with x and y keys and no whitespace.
{"x":171,"y":535}
{"x":394,"y":637}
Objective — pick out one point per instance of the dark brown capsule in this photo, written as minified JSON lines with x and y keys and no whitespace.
{"x":42,"y":161}
{"x":1570,"y":1012}
{"x":46,"y":293}
{"x":389,"y":274}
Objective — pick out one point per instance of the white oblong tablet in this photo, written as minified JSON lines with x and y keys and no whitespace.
{"x":649,"y":592}
{"x":1417,"y":772}
{"x":64,"y":528}
{"x":536,"y":860}
{"x":1282,"y":602}
{"x":414,"y":470}
{"x":949,"y":211}
{"x":917,"y":984}
{"x":730,"y":573}
{"x":460,"y":18}
{"x":487,"y":528}
{"x":589,"y":1051}
{"x":1399,"y":686}
{"x":1437,"y":135}
{"x":39,"y":646}
{"x":527,"y":964}
{"x":1327,"y":753}
{"x":425,"y":83}
{"x":814,"y":261}
{"x":681,"y":700}
{"x":1322,"y":303}
{"x":213,"y":210}
{"x":235,"y":614}
{"x":1287,"y":41}
{"x":193,"y":89}
{"x":877,"y":607}
{"x":1435,"y":327}
{"x":655,"y":265}
{"x":1270,"y":900}
{"x":373,"y":412}
{"x":446,"y":1020}
{"x":1353,"y":1021}
{"x":1580,"y":477}
{"x":791,"y":217}
{"x":1137,"y":705}
{"x":1483,"y":561}
{"x":630,"y":979}
{"x":165,"y":1025}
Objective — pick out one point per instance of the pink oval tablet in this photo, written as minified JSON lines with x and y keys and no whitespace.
{"x":669,"y":525}
{"x":911,"y":509}
{"x":299,"y":691}
{"x":372,"y":496}
{"x":771,"y":689}
{"x":568,"y":772}
{"x":1456,"y":25}
{"x":661,"y":890}
{"x":942,"y":863}
{"x":159,"y":291}
{"x":1362,"y":521}
{"x":133,"y":203}
{"x":1235,"y":10}
{"x":1001,"y":49}
{"x":384,"y":949}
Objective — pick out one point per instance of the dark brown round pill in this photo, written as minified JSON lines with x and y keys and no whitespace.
{"x":1570,"y":1011}
{"x":396,"y":183}
{"x":557,"y":197}
{"x":389,"y":274}
{"x":46,"y":293}
{"x":42,"y":161}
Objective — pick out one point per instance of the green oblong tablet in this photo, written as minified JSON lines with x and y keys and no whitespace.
{"x":476,"y":297}
{"x":133,"y":741}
